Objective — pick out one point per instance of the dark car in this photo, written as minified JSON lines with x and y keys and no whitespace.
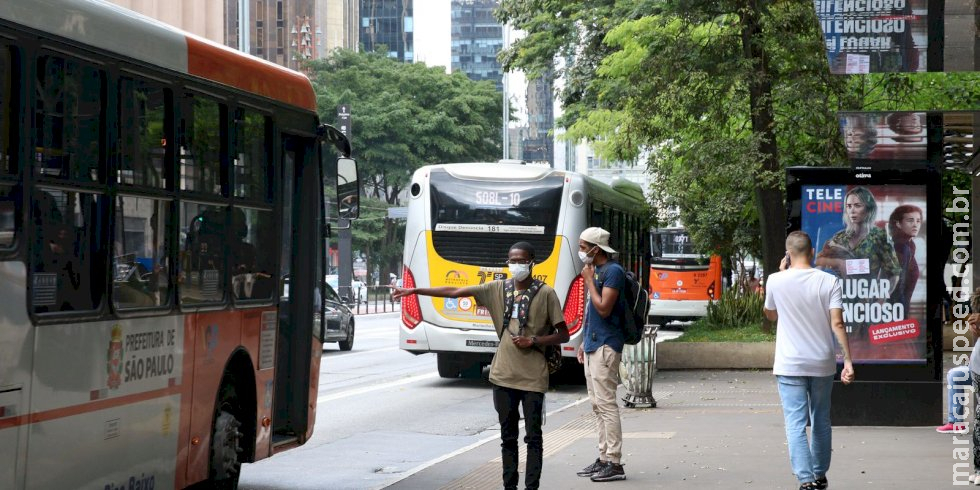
{"x":337,"y":324}
{"x":339,"y":321}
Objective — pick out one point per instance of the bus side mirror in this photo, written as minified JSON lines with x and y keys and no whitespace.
{"x":348,"y":189}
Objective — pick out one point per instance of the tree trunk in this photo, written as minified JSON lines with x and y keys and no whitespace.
{"x":768,"y":194}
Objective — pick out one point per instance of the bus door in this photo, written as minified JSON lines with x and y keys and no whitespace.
{"x":302,"y":276}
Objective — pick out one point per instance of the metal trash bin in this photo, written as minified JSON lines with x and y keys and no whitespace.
{"x":637,"y":369}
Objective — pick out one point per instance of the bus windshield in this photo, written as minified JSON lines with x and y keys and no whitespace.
{"x":673,"y":244}
{"x":476,"y":222}
{"x":495,"y":207}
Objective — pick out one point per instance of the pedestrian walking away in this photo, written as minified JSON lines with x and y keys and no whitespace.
{"x":807,"y":304}
{"x":602,"y":349}
{"x":527,"y":315}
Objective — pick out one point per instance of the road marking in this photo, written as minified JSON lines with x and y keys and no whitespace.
{"x":361,"y":352}
{"x":470,"y":447}
{"x":369,"y":389}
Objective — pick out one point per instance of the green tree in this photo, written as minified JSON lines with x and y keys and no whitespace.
{"x":719,"y":96}
{"x":404,"y":116}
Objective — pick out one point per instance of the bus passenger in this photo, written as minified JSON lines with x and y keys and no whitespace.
{"x":602,"y":349}
{"x":519,"y":371}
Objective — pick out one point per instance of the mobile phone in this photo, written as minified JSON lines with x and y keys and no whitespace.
{"x":789,"y":261}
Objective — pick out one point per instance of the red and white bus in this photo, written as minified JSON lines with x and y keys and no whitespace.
{"x":163,"y":202}
{"x":682,"y":281}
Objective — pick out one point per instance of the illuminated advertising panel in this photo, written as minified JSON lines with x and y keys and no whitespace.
{"x":873,"y":238}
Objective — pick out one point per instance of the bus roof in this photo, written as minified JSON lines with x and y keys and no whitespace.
{"x":496,"y":171}
{"x":115,"y":29}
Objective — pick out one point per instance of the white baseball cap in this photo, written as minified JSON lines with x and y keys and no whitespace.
{"x":599,"y":237}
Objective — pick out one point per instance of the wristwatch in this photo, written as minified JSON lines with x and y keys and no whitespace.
{"x":534,"y":340}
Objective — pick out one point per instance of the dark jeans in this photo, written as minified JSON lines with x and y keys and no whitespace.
{"x":506,"y":400}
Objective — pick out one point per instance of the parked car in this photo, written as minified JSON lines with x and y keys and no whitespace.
{"x":358,"y":289}
{"x":337,"y":323}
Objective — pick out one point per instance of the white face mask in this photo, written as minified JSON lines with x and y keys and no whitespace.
{"x":519,"y":271}
{"x":584,"y":256}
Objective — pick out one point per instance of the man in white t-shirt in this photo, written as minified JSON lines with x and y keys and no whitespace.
{"x":807,"y":303}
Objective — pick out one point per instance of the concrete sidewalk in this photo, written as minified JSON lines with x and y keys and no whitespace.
{"x":711,"y":429}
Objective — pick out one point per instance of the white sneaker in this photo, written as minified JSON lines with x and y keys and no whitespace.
{"x":976,"y":479}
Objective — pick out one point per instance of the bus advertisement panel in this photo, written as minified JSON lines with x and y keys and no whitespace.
{"x":872,"y":237}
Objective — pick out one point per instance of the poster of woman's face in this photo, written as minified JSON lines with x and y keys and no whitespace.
{"x":884,"y":136}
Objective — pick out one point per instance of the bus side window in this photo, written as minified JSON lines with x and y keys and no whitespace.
{"x":67,"y":251}
{"x":10,"y":196}
{"x":202,"y":260}
{"x":251,"y":271}
{"x":139,"y":260}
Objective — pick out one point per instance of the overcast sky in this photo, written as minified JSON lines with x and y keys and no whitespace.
{"x":433,"y":39}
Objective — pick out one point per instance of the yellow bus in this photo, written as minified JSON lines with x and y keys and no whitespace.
{"x":462,"y":220}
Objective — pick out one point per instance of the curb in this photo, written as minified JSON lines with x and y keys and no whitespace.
{"x":716,"y":355}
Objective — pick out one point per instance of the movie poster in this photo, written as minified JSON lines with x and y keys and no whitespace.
{"x":874,"y":36}
{"x":884,"y":135}
{"x":873,"y":238}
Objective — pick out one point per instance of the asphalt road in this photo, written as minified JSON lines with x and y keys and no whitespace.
{"x":382,"y":414}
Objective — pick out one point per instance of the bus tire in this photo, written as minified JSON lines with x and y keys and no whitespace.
{"x":448,"y":366}
{"x":348,"y":343}
{"x":226,"y":451}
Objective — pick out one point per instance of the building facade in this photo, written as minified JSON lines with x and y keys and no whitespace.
{"x":291,"y":32}
{"x":477,"y":38}
{"x":205,"y":19}
{"x":388,"y":23}
{"x":539,"y":143}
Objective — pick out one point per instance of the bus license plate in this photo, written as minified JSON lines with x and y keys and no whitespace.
{"x":481,"y":343}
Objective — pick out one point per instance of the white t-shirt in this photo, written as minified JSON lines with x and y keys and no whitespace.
{"x":803,"y":299}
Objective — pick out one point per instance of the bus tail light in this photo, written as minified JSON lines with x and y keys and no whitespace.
{"x":574,"y":305}
{"x":411,"y":311}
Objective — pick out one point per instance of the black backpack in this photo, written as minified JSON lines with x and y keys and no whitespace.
{"x":637,"y":302}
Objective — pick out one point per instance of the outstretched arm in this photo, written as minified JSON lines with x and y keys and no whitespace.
{"x":439,"y":292}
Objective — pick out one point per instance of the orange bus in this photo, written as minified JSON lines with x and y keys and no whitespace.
{"x":682,"y":282}
{"x":158,"y":193}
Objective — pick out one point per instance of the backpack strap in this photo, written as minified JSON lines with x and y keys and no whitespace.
{"x":523,"y":306}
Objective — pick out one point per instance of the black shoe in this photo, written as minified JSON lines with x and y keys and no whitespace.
{"x":610,"y":472}
{"x":822,"y":483}
{"x":809,"y":486}
{"x":592,"y":468}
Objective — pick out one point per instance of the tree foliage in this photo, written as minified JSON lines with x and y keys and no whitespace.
{"x":720,"y":96}
{"x":403,"y":116}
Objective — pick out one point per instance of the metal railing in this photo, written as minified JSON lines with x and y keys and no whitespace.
{"x":377,"y":299}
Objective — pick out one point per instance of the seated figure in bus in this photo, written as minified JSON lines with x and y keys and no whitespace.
{"x":249,"y":281}
{"x":59,"y":257}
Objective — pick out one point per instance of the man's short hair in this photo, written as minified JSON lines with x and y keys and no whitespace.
{"x":798,"y":243}
{"x":525,"y":246}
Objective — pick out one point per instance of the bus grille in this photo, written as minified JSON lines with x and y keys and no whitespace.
{"x":487,"y":250}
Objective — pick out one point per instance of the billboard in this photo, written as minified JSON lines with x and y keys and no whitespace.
{"x":874,"y":36}
{"x":873,"y":238}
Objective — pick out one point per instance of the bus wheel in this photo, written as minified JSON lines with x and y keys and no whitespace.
{"x":447,"y":365}
{"x":226,"y":450}
{"x":348,"y":343}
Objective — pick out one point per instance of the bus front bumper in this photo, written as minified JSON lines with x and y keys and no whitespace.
{"x":678,"y":308}
{"x":427,"y":337}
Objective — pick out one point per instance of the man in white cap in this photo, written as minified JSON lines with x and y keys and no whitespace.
{"x":602,"y":348}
